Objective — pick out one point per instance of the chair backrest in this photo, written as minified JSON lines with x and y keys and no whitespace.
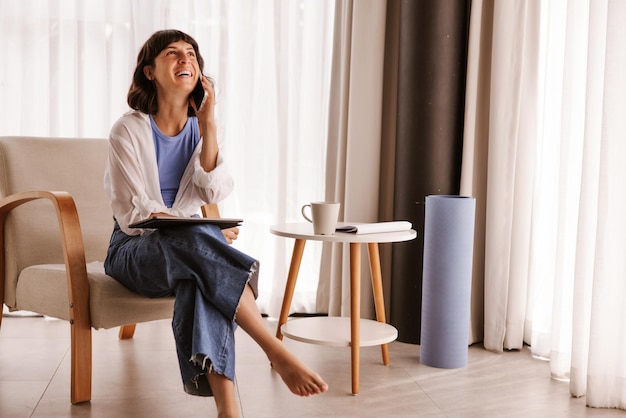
{"x":59,"y":164}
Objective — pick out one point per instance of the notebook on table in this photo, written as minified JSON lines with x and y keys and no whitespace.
{"x":376,"y":227}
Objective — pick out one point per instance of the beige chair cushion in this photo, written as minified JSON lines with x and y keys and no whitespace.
{"x":111,"y":303}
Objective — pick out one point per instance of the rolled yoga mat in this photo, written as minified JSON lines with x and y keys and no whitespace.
{"x":447,"y":280}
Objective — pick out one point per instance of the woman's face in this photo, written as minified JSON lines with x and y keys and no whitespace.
{"x":175,"y":68}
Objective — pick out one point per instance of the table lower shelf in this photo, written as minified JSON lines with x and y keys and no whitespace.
{"x":335,"y":331}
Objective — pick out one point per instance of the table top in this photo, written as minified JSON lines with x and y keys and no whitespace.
{"x":304,"y":230}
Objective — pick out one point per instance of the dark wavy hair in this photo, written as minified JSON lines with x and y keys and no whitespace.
{"x":142,"y":92}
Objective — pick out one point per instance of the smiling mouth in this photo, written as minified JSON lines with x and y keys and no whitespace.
{"x":183,"y":73}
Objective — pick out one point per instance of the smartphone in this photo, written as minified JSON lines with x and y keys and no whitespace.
{"x":199,"y":95}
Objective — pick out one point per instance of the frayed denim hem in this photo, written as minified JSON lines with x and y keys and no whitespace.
{"x":198,"y":386}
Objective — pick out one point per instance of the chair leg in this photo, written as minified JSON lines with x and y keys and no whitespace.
{"x":127,"y":331}
{"x":81,"y":364}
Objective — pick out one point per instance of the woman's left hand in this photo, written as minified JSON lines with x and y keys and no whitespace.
{"x":230,"y":234}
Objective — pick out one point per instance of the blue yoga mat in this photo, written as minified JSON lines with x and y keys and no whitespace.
{"x":447,"y":280}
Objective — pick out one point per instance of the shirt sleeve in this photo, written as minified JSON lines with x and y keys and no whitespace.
{"x":214,"y":185}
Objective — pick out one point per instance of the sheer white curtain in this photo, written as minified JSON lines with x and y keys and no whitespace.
{"x":67,"y":69}
{"x":353,"y":158}
{"x":550,"y":122}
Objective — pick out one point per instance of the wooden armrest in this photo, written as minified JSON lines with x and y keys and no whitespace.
{"x":77,"y":282}
{"x":73,"y":248}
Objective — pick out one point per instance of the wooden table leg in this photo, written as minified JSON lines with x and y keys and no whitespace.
{"x":355,"y":312}
{"x":377,"y":288}
{"x":294,"y":268}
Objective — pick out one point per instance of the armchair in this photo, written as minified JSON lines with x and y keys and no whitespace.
{"x":55,"y":226}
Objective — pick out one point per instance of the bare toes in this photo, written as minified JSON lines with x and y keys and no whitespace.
{"x":300,"y":379}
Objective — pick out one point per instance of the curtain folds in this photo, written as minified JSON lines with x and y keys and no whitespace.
{"x":432,"y":52}
{"x":476,"y":148}
{"x":354,"y":130}
{"x":544,"y":146}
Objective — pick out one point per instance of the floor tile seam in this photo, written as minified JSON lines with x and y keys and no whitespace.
{"x":56,"y":370}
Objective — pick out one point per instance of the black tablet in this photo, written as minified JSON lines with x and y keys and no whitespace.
{"x":173,"y":221}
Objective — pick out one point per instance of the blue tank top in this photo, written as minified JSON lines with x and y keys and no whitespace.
{"x":173,"y":154}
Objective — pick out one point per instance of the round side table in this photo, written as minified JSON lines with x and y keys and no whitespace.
{"x":338,"y":331}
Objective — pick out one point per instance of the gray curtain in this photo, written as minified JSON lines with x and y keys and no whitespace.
{"x":430,"y":41}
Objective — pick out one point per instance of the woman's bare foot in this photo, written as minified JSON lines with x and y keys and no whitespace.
{"x":298,"y":377}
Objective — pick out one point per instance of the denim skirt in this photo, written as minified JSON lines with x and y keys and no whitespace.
{"x":206,"y":275}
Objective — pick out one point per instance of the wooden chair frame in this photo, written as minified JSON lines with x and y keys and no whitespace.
{"x":77,"y":282}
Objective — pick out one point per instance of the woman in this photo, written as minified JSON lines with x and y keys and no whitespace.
{"x":165,"y":160}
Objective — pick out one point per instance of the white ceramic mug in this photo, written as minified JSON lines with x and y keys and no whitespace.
{"x":324,"y":216}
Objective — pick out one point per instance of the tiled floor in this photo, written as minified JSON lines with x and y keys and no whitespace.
{"x":139,"y":378}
